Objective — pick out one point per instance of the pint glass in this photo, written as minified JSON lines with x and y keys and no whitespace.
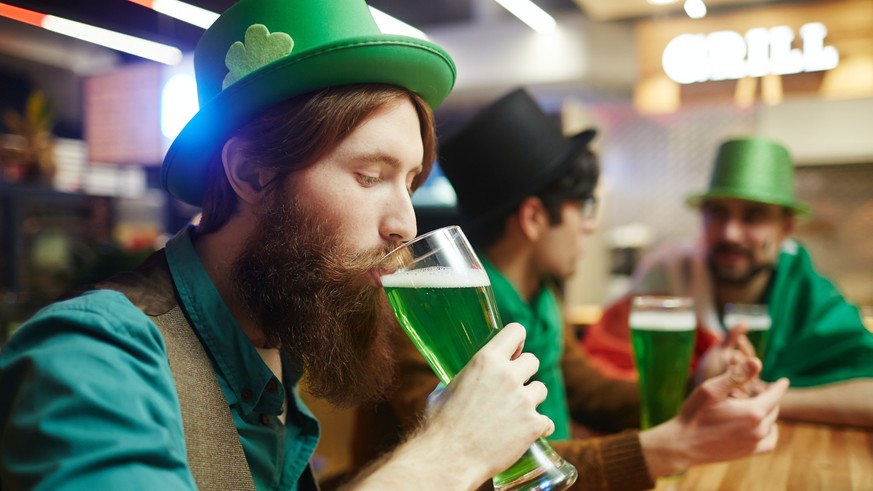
{"x":662,"y":335}
{"x":442,"y":298}
{"x":756,"y":317}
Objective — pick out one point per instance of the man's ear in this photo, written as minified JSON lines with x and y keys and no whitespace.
{"x":533,"y":218}
{"x":248,"y":180}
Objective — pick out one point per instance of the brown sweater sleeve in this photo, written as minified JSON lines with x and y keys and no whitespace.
{"x":603,"y":404}
{"x":612,"y":463}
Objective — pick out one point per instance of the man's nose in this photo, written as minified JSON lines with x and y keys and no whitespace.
{"x":587,"y":226}
{"x":399,"y":222}
{"x":732,"y":229}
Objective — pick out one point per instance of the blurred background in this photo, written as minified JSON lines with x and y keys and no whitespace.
{"x":86,"y":121}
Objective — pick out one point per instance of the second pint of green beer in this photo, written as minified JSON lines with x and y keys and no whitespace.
{"x":447,"y":315}
{"x":756,"y":318}
{"x":662,"y":334}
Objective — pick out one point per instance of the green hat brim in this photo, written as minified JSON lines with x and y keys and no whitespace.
{"x":419,"y":66}
{"x":798,"y":207}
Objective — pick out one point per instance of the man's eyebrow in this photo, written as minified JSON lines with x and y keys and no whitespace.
{"x":384,"y":158}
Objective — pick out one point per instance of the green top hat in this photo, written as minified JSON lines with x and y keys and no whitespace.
{"x":262,"y":52}
{"x":753,"y":169}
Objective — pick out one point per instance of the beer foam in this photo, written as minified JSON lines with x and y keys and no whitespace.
{"x":663,"y":321}
{"x":754,"y":322}
{"x":437,"y":277}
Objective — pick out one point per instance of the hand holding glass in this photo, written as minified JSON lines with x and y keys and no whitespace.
{"x":662,"y":335}
{"x":442,"y":298}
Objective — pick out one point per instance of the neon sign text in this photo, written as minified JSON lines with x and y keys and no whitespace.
{"x":728,"y":55}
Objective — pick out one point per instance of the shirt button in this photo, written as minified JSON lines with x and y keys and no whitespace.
{"x":272,"y":385}
{"x":247,"y":395}
{"x":265,"y":419}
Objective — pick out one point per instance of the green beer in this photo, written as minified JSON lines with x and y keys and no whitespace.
{"x":662,"y":344}
{"x":759,"y":338}
{"x":447,"y":316}
{"x":756,"y":318}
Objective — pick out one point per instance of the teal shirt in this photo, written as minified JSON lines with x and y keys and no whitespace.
{"x":543,"y":321}
{"x":87,"y":399}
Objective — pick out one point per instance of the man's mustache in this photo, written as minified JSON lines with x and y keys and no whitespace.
{"x":725,"y":248}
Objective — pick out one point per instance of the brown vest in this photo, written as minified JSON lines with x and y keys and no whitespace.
{"x":215,"y":454}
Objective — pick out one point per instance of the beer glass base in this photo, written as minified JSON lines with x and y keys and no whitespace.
{"x":550,"y":472}
{"x":542,"y":480}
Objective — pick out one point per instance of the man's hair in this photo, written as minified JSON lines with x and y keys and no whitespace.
{"x":297,"y":133}
{"x":576,"y":183}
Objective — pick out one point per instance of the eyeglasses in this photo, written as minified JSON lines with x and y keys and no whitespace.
{"x":588,"y":208}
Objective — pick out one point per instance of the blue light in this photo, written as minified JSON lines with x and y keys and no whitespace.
{"x":178,"y":104}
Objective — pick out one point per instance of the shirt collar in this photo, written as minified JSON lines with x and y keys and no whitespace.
{"x":517,"y":308}
{"x":235,"y":359}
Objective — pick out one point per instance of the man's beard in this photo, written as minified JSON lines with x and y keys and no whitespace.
{"x":314,"y":300}
{"x":723,"y":276}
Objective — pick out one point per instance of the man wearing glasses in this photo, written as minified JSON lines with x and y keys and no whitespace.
{"x":526,"y":198}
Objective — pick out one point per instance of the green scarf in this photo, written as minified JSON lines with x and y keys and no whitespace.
{"x":817,"y":337}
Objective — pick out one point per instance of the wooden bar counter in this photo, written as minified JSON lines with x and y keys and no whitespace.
{"x":808,"y":457}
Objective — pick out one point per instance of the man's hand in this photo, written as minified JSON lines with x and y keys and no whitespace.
{"x":489,"y":409}
{"x":716,"y":360}
{"x":478,"y":426}
{"x":727,"y":417}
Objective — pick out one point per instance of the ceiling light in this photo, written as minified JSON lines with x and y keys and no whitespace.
{"x":695,"y":9}
{"x":391,"y":25}
{"x":528,"y":12}
{"x":661,"y":2}
{"x":115,"y":40}
{"x":180,"y":10}
{"x":204,"y":18}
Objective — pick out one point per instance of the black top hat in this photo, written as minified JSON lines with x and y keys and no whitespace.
{"x":509,"y":150}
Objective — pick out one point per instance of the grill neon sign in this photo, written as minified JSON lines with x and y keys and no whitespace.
{"x":728,"y":55}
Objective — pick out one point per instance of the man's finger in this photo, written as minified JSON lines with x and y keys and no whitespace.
{"x":745,"y":346}
{"x":734,"y":332}
{"x":771,"y":396}
{"x":741,"y":369}
{"x":526,"y":366}
{"x":736,"y":338}
{"x":770,"y":418}
{"x":768,"y":443}
{"x":509,"y":342}
{"x":722,"y":386}
{"x":550,"y":426}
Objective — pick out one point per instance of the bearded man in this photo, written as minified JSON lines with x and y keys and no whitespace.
{"x":182,"y":374}
{"x":747,"y":255}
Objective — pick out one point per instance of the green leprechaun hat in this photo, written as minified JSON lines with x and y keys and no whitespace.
{"x":262,"y":52}
{"x":753,"y":169}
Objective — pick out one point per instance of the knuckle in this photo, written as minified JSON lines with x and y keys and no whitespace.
{"x":708,"y":392}
{"x":531,"y":359}
{"x":755,"y":417}
{"x":517,"y":329}
{"x":537,"y":391}
{"x":761,"y":432}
